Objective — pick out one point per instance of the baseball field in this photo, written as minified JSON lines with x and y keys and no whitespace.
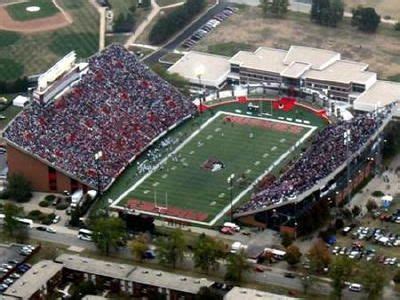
{"x":31,"y":45}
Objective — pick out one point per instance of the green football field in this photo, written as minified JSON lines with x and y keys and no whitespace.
{"x":185,"y":179}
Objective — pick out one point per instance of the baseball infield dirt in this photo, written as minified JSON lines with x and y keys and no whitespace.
{"x":57,"y":21}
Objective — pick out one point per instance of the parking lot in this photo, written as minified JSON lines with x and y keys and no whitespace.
{"x":12,"y":263}
{"x":212,"y":23}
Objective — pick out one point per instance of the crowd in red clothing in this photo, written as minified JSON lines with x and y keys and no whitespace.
{"x":118,"y":107}
{"x":327,"y":153}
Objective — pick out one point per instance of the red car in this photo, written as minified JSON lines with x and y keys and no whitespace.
{"x":227,"y":230}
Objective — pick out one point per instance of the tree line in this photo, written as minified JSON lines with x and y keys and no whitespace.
{"x":170,"y":24}
{"x":15,"y":86}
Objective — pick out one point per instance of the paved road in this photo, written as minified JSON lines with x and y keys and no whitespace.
{"x":176,"y":41}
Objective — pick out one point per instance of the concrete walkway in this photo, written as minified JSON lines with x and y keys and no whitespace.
{"x":102,"y":25}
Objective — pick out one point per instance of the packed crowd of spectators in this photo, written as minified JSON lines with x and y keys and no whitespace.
{"x":118,"y":107}
{"x":327,"y":152}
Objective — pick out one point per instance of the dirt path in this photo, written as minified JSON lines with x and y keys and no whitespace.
{"x":102,"y":29}
{"x":60,"y":20}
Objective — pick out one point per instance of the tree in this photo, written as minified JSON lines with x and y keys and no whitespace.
{"x":11,"y":225}
{"x":174,"y":78}
{"x":293,"y":255}
{"x":365,"y":19}
{"x":139,"y":246}
{"x":319,"y":255}
{"x":207,"y":252}
{"x":19,"y":188}
{"x":355,"y":211}
{"x":171,"y":23}
{"x":327,"y":12}
{"x":397,"y":26}
{"x":277,"y":8}
{"x":236,"y":266}
{"x":373,"y":279}
{"x":207,"y":293}
{"x":108,"y":233}
{"x":396,"y":277}
{"x":371,"y":205}
{"x":171,"y":249}
{"x":82,"y":289}
{"x":340,"y":271}
{"x":286,"y":239}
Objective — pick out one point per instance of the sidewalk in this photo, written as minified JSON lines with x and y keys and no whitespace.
{"x":155,"y":9}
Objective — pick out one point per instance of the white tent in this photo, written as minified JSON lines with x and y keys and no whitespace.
{"x":20,"y":101}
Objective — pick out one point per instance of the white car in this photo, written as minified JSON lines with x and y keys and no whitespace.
{"x":50,"y":230}
{"x":355,"y":287}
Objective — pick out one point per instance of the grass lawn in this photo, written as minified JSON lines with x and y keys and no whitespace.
{"x":379,"y":50}
{"x":19,"y":13}
{"x":168,"y":2}
{"x":229,"y":48}
{"x":30,"y":54}
{"x":183,"y":177}
{"x":171,"y":57}
{"x":9,"y":113}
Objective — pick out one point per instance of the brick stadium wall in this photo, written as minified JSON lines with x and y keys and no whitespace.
{"x":35,"y":171}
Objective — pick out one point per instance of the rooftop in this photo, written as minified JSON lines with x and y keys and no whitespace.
{"x":343,"y":71}
{"x":380,"y":94}
{"x":263,"y":59}
{"x":97,"y":267}
{"x":212,"y":68}
{"x":239,"y":293}
{"x":135,"y":274}
{"x":317,"y":58}
{"x":34,"y":279}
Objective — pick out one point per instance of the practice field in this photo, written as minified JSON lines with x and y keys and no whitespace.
{"x":19,"y":11}
{"x":191,"y":182}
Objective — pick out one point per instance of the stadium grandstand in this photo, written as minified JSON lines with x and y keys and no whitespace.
{"x":87,"y":135}
{"x":345,"y":146}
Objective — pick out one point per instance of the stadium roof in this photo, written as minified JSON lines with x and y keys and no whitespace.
{"x":317,"y":58}
{"x":213,"y":69}
{"x":34,"y":279}
{"x":343,"y":71}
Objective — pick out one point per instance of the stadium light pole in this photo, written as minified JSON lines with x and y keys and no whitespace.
{"x":347,"y":140}
{"x":97,"y":157}
{"x":199,"y":71}
{"x":230,"y":181}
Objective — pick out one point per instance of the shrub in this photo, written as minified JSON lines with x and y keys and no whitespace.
{"x":35,"y":215}
{"x":49,"y":198}
{"x":378,"y":194}
{"x":43,"y":203}
{"x":397,"y":26}
{"x":396,"y":277}
{"x":62,"y":206}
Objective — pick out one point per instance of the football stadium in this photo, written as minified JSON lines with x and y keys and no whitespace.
{"x":113,"y":125}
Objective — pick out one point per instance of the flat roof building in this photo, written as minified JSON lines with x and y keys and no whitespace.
{"x":239,"y":293}
{"x":299,"y":67}
{"x":203,"y":69}
{"x":37,"y":282}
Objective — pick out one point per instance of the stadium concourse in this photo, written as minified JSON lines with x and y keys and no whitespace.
{"x":119,"y":107}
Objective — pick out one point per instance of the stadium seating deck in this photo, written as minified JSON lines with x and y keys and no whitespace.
{"x":119,"y":107}
{"x":328,"y":152}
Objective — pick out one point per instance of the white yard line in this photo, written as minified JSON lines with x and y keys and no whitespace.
{"x":238,"y":197}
